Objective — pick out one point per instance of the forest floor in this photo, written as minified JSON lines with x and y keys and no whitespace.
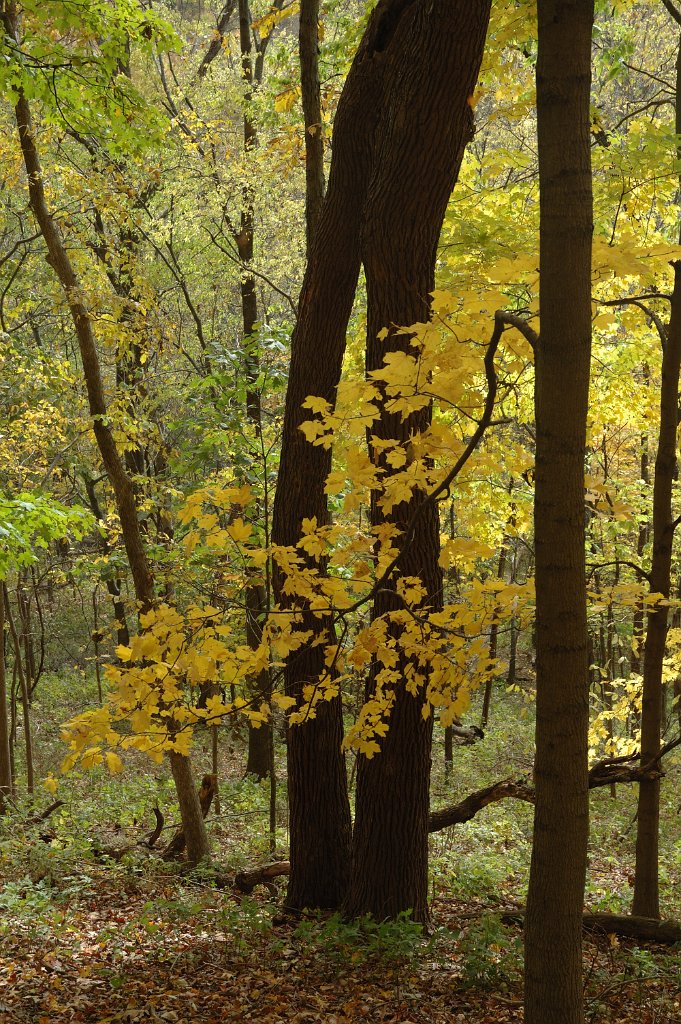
{"x":137,"y":941}
{"x":133,"y":952}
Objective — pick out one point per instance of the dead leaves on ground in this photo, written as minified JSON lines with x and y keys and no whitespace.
{"x":166,"y":956}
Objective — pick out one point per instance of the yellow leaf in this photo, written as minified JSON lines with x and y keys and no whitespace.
{"x":282,"y":701}
{"x":286,"y":100}
{"x":51,"y":784}
{"x":113,"y":763}
{"x":239,"y":531}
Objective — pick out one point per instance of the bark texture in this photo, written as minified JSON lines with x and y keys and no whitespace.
{"x":308,"y":50}
{"x":5,"y":760}
{"x":191,"y":811}
{"x":432,"y":54}
{"x":320,"y":827}
{"x":646,"y":880}
{"x":553,"y":926}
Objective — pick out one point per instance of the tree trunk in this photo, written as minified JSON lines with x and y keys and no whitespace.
{"x":255,"y":598}
{"x":641,"y":540}
{"x":553,"y":927}
{"x":113,"y":586}
{"x":320,"y":826}
{"x":23,"y":687}
{"x":494,"y":631}
{"x":191,"y":812}
{"x":5,"y":761}
{"x":121,"y":483}
{"x":308,"y":50}
{"x":432,"y":53}
{"x":646,"y":881}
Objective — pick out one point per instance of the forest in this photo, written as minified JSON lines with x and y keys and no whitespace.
{"x":340,"y":595}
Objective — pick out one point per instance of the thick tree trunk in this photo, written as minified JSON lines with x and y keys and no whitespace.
{"x":553,"y":927}
{"x":319,"y":809}
{"x":646,"y":880}
{"x":432,"y":53}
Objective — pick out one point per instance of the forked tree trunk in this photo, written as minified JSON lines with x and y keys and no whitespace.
{"x":553,"y":926}
{"x":320,"y":827}
{"x":646,"y":880}
{"x":432,"y":53}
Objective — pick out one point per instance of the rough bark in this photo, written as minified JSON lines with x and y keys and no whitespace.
{"x":646,"y":901}
{"x":553,"y":926}
{"x":320,"y":827}
{"x":432,"y":53}
{"x":308,"y":50}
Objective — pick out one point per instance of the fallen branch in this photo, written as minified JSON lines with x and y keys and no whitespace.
{"x":152,"y":838}
{"x":35,"y":819}
{"x":645,"y":929}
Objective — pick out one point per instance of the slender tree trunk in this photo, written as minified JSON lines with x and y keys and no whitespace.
{"x":23,"y":688}
{"x":193,"y":824}
{"x":553,"y":923}
{"x":308,"y":50}
{"x":432,"y":53}
{"x":126,"y":506}
{"x":449,"y":751}
{"x":641,"y":540}
{"x":255,"y":597}
{"x":494,"y":632}
{"x":646,"y":881}
{"x":5,"y":760}
{"x":113,"y":586}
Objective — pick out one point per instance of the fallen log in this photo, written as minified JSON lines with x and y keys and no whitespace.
{"x":647,"y":929}
{"x":246,"y":881}
{"x":643,"y":929}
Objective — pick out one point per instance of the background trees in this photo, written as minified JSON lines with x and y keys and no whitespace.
{"x":390,"y":580}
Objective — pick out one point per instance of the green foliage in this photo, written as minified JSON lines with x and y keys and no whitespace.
{"x":72,"y":57}
{"x":29,"y":523}
{"x":491,"y":954}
